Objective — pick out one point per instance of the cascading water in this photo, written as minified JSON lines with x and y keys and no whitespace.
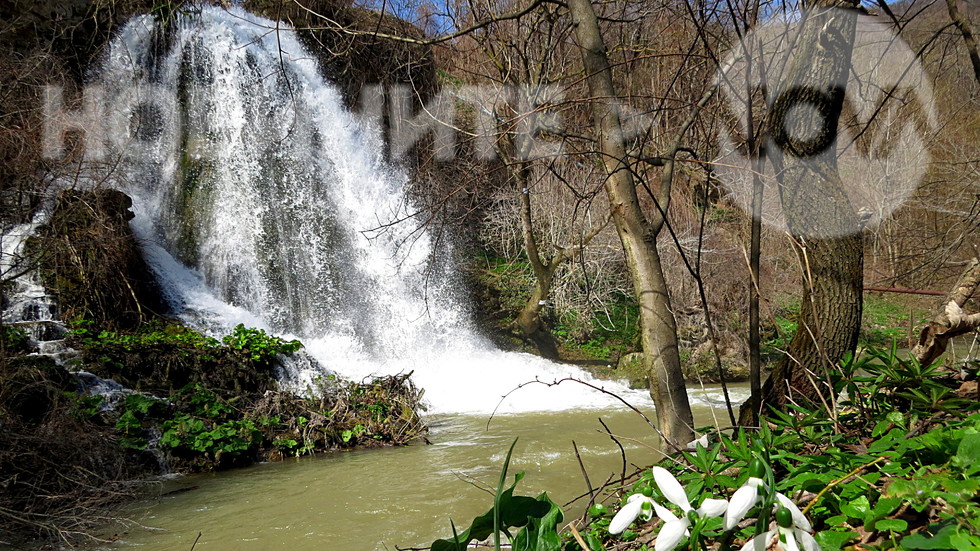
{"x":27,"y":305}
{"x":261,"y":200}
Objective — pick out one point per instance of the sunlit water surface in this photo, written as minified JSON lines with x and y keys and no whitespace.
{"x":397,"y":497}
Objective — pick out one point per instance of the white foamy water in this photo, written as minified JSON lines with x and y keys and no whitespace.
{"x":261,"y":200}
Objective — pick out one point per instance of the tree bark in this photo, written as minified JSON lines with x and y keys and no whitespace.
{"x":658,"y":332}
{"x":529,"y":323}
{"x":823,"y":225}
{"x":963,"y":24}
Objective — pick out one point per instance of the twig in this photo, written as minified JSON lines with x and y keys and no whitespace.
{"x":593,"y":387}
{"x":622,"y":451}
{"x":578,"y":537}
{"x":197,"y":539}
{"x":837,"y":481}
{"x":585,"y":474}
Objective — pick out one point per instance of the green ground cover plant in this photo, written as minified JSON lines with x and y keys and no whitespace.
{"x":894,"y":466}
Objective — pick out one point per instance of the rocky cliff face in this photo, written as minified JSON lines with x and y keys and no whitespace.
{"x":352,"y":61}
{"x":88,"y":257}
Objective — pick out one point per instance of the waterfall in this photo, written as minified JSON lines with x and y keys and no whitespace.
{"x":261,"y":200}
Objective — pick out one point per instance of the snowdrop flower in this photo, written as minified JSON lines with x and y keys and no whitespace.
{"x":747,"y":496}
{"x":792,"y":528}
{"x":675,"y":529}
{"x":633,"y":509}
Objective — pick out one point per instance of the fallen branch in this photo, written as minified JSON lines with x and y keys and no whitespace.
{"x":951,"y":321}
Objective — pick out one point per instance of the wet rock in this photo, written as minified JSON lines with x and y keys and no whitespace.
{"x":634,"y":368}
{"x":90,"y":261}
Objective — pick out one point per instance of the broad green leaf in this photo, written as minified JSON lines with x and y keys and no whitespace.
{"x":515,"y":511}
{"x":880,"y":428}
{"x":540,"y":534}
{"x":887,"y":505}
{"x":963,"y":541}
{"x":857,"y":508}
{"x":834,"y":540}
{"x":508,"y":511}
{"x":836,"y":520}
{"x":902,"y":488}
{"x":969,"y":448}
{"x":922,"y":540}
{"x":892,"y":524}
{"x":594,"y":543}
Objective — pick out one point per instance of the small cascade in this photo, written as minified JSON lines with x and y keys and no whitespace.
{"x":27,"y":305}
{"x":261,"y":200}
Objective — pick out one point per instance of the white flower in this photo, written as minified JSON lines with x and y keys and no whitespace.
{"x":630,"y":512}
{"x":799,"y":520}
{"x":743,"y":499}
{"x":675,"y":529}
{"x":790,"y":539}
{"x":792,"y":527}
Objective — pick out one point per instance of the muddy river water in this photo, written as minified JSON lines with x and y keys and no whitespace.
{"x":398,"y":497}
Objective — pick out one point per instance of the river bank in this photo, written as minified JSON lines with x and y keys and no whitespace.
{"x":404,"y":497}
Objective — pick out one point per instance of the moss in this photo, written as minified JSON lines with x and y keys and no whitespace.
{"x":90,"y":261}
{"x":635,"y":369}
{"x":192,"y":194}
{"x":162,"y":357}
{"x":886,"y":318}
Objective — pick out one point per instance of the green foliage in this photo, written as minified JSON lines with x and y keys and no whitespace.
{"x":260,"y":346}
{"x":14,"y":339}
{"x":600,"y":336}
{"x":256,"y":343}
{"x":884,"y":321}
{"x":135,"y":412}
{"x":776,"y":337}
{"x":210,"y":426}
{"x":506,"y":283}
{"x":211,"y":438}
{"x":170,"y":335}
{"x":223,"y":414}
{"x":897,"y":465}
{"x":538,"y":519}
{"x":85,"y":407}
{"x":879,"y":382}
{"x":349,"y":434}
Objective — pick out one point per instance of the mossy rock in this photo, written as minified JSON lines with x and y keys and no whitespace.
{"x":163,"y":368}
{"x":635,"y":368}
{"x":90,"y":261}
{"x":701,"y":366}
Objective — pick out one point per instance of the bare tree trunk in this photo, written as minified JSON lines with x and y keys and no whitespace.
{"x":658,"y":332}
{"x":963,"y":24}
{"x":823,"y":224}
{"x":951,"y":321}
{"x":529,"y":322}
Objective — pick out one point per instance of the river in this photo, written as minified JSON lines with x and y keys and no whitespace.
{"x":369,"y":500}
